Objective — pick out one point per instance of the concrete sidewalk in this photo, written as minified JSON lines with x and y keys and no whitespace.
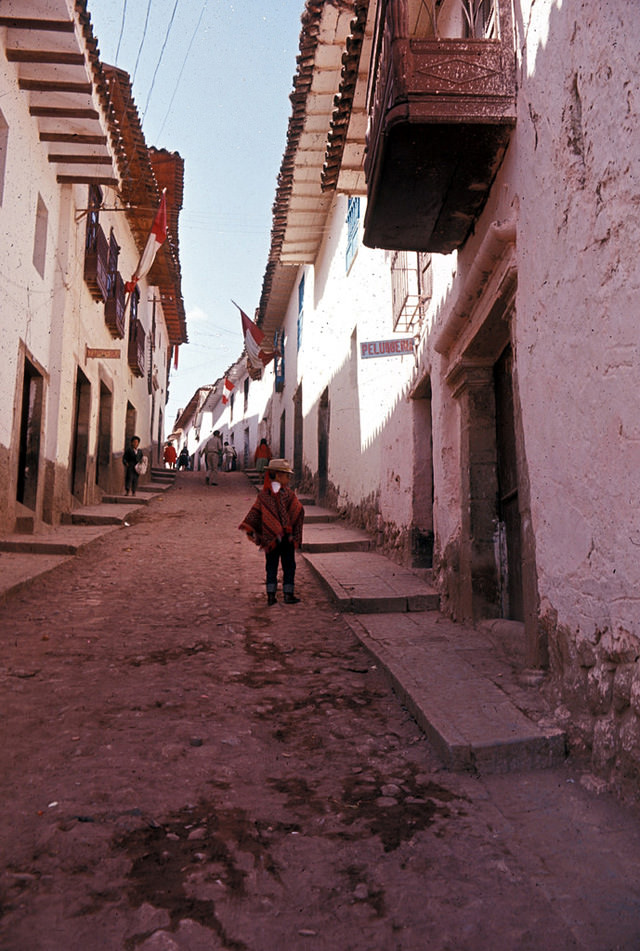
{"x":459,"y":682}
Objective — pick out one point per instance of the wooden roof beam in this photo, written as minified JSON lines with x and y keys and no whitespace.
{"x":50,"y":85}
{"x":62,"y":112}
{"x":87,"y":180}
{"x":47,"y":57}
{"x":76,"y":138}
{"x":63,"y":159}
{"x":30,"y":24}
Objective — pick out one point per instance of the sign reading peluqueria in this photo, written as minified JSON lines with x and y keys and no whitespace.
{"x":386,"y":348}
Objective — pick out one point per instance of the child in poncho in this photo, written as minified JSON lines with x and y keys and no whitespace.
{"x":274,"y":523}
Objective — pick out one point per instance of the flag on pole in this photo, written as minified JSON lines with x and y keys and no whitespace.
{"x":257,"y":355}
{"x":156,"y":239}
{"x":228,"y":386}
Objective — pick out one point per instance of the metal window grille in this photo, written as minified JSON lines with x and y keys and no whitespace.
{"x":300,"y":309}
{"x":410,"y":288}
{"x":278,"y":342}
{"x":462,"y":19}
{"x":353,"y":226}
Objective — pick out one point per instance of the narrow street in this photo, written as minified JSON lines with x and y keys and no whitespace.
{"x":183,"y":768}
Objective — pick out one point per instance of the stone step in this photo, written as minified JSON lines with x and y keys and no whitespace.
{"x":329,"y":537}
{"x":472,"y":722}
{"x":61,"y":540}
{"x":368,"y":583}
{"x":124,"y":499}
{"x":318,"y":515}
{"x":108,"y":514}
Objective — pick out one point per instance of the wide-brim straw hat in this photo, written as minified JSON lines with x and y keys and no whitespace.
{"x":279,"y":465}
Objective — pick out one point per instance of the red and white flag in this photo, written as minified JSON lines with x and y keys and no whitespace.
{"x":257,"y":355}
{"x":228,"y":386}
{"x":156,"y":239}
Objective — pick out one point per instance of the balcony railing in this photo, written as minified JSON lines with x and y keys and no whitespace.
{"x":96,"y":265}
{"x":441,"y":105}
{"x":136,"y":350}
{"x":114,"y":308}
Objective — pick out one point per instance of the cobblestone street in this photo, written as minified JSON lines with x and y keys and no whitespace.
{"x":183,"y":768}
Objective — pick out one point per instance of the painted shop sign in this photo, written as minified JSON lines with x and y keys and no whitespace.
{"x":102,"y":354}
{"x":386,"y":348}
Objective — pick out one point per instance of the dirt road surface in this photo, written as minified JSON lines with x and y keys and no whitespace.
{"x":183,"y":768}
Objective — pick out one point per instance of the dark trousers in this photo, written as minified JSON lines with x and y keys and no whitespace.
{"x":130,"y":479}
{"x":286,"y":553}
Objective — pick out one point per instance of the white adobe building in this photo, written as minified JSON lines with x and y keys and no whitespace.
{"x":78,"y":193}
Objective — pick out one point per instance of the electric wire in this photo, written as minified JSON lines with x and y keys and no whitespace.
{"x":184,"y":63}
{"x":166,"y":39}
{"x":144,"y":33}
{"x":124,"y":16}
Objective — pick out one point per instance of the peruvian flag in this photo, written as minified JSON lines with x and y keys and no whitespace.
{"x":228,"y":386}
{"x":156,"y":239}
{"x":253,"y":340}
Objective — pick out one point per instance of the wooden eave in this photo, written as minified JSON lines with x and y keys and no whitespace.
{"x":343,"y":163}
{"x":58,"y":68}
{"x":298,"y":226}
{"x":147,"y":172}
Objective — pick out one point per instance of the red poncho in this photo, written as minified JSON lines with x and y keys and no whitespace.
{"x":274,"y":517}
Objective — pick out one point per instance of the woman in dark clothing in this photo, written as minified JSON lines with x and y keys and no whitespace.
{"x":130,"y":459}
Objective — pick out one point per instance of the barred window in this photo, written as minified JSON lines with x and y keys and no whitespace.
{"x":353,"y":230}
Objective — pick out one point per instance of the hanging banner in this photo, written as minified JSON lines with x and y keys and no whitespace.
{"x":386,"y":348}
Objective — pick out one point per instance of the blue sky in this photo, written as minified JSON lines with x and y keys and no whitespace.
{"x":220,"y":97}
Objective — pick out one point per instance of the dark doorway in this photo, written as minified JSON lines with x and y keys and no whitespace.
{"x":30,"y":431}
{"x":323,"y":445}
{"x":80,"y":460}
{"x":297,"y":433}
{"x":103,"y":455}
{"x":508,"y":501}
{"x":283,"y":433}
{"x":130,"y":424}
{"x":422,"y":502}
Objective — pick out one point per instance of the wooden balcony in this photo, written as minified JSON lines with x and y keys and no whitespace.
{"x":114,"y":308}
{"x":137,"y":339}
{"x":96,"y":265}
{"x":441,"y":110}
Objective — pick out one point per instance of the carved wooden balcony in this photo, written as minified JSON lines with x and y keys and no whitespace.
{"x":114,"y":308}
{"x":441,"y":109}
{"x":96,"y":269}
{"x":137,"y":339}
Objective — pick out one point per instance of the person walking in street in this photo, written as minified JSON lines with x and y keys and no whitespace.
{"x":262,"y":455}
{"x":274,"y":523}
{"x":170,"y":456}
{"x":229,"y":455}
{"x":212,"y":456}
{"x":183,"y":458}
{"x":131,"y":457}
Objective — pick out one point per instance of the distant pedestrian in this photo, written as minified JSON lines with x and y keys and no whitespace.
{"x":274,"y":523}
{"x":170,"y":456}
{"x":262,"y":455}
{"x":130,"y":459}
{"x":229,"y":456}
{"x":213,"y":456}
{"x":183,"y":458}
